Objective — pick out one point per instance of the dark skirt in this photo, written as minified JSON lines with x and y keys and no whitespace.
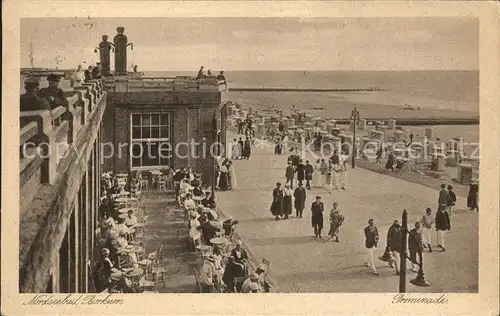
{"x":287,"y":205}
{"x":223,"y":181}
{"x":277,"y":208}
{"x":472,"y":201}
{"x":317,"y":221}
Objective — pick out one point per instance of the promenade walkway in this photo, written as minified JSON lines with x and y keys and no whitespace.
{"x":302,"y":263}
{"x":165,"y":221}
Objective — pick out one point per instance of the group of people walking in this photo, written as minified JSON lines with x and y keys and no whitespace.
{"x":420,"y":237}
{"x":226,"y":179}
{"x":241,"y":149}
{"x":330,"y":174}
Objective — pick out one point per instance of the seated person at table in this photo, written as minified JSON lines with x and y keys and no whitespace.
{"x":208,"y":231}
{"x":194,"y":233}
{"x":196,"y":182}
{"x":189,"y":204}
{"x":251,"y":282}
{"x":197,"y":191}
{"x":108,"y":205}
{"x":233,"y":270}
{"x":184,"y":187}
{"x":219,"y":267}
{"x":207,"y":275}
{"x":104,"y":268}
{"x":121,"y":227}
{"x":116,"y":187}
{"x":106,"y":180}
{"x":254,"y":288}
{"x":131,"y":219}
{"x":188,"y":173}
{"x":208,"y":201}
{"x":240,"y":255}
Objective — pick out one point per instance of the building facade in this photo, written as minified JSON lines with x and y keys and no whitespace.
{"x":64,"y":153}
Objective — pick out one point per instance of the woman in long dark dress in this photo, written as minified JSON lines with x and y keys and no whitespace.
{"x":472,"y":197}
{"x":247,"y":148}
{"x":390,"y":162}
{"x":223,"y":178}
{"x":287,"y":201}
{"x":277,"y":204}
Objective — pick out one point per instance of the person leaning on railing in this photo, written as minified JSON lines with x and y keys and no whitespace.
{"x":30,"y":101}
{"x":53,"y":94}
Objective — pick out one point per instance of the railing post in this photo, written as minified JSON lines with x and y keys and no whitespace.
{"x":47,"y":146}
{"x":83,"y":102}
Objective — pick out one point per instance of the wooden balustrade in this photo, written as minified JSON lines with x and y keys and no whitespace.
{"x":42,"y":131}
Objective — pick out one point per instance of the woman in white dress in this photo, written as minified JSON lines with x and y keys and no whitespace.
{"x":336,"y":176}
{"x":329,"y":177}
{"x":235,"y":152}
{"x":343,"y":172}
{"x":232,"y":175}
{"x":317,"y":178}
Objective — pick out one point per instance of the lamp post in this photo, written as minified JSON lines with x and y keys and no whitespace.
{"x":420,"y":279}
{"x":214,"y":139}
{"x":355,"y":118}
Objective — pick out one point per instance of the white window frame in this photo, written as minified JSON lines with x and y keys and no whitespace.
{"x":141,"y":140}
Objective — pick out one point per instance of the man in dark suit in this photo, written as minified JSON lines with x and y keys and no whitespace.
{"x":335,"y":158}
{"x":301,"y":171}
{"x":444,"y":197}
{"x":394,"y":244}
{"x":415,"y":245}
{"x":53,"y":94}
{"x":452,"y":200}
{"x":371,"y":243}
{"x":309,"y":170}
{"x":289,"y":174}
{"x":30,"y":101}
{"x":317,"y":208}
{"x":300,"y":200}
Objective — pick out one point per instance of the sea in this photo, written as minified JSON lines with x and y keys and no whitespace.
{"x":404,"y":94}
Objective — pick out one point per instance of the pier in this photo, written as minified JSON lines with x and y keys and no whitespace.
{"x":263,"y":89}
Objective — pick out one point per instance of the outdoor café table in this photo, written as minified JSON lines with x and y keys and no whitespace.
{"x":132,"y":199}
{"x":135,"y":275}
{"x":122,"y":175}
{"x":125,"y":210}
{"x":218,"y":241}
{"x":123,"y":215}
{"x":133,"y":249}
{"x":122,"y":200}
{"x":124,"y":193}
{"x":198,"y":199}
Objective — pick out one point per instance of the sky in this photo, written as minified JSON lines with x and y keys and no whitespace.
{"x":180,"y":44}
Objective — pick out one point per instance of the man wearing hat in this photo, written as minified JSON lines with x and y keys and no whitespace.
{"x":104,"y":270}
{"x":53,"y":94}
{"x":444,"y":197}
{"x":394,"y":244}
{"x":251,"y":280}
{"x":277,"y":204}
{"x":452,"y":200}
{"x":317,"y":209}
{"x":207,"y":275}
{"x":233,"y":270}
{"x":30,"y":101}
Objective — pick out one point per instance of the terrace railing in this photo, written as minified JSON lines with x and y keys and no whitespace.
{"x":46,"y":135}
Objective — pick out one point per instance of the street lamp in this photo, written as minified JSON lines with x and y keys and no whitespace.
{"x":420,"y":279}
{"x":355,"y":118}
{"x":214,"y":139}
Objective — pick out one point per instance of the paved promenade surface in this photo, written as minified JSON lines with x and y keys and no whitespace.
{"x":165,"y":221}
{"x":302,"y":263}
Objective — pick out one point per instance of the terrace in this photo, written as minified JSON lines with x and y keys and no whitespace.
{"x":55,"y":147}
